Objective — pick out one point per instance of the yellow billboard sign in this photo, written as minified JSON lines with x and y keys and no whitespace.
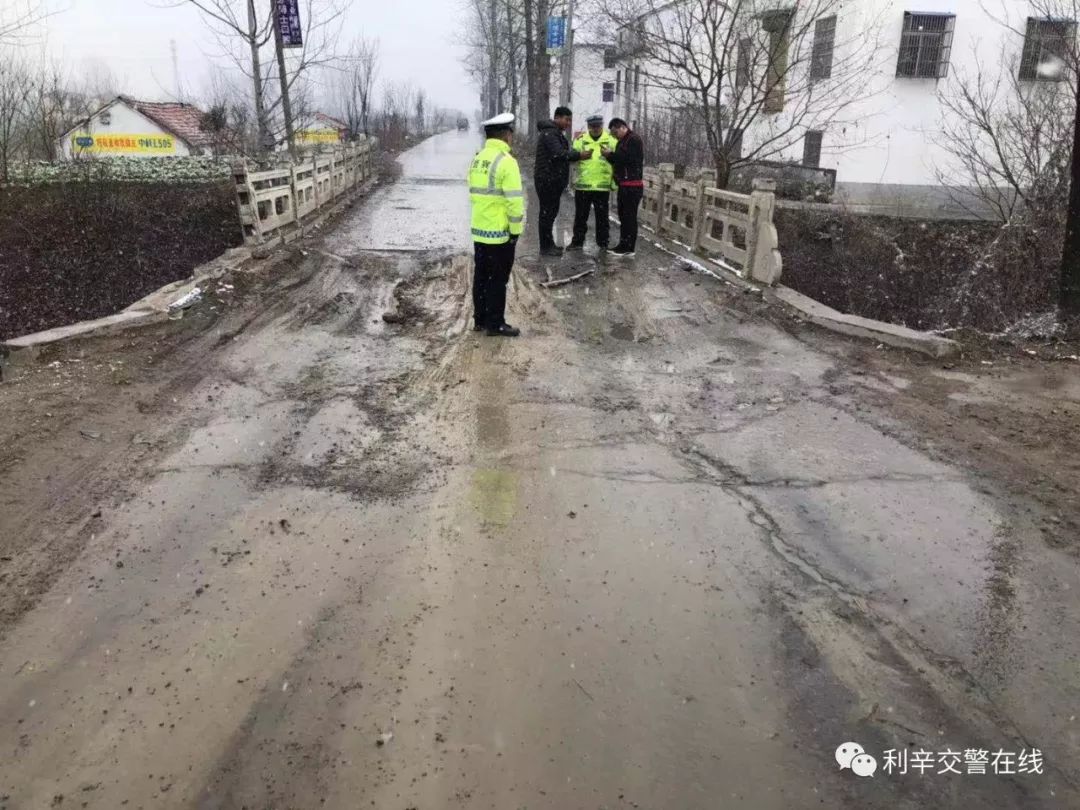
{"x":122,"y":144}
{"x":318,"y":136}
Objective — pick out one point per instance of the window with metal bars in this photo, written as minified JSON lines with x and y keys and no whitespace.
{"x":811,"y":151}
{"x":821,"y":57}
{"x":1046,"y":48}
{"x":609,"y":91}
{"x":925,"y":45}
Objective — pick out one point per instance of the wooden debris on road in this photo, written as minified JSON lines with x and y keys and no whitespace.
{"x":560,"y":281}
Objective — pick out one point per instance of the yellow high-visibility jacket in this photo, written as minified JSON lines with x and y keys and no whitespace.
{"x":596,"y":173}
{"x":498,"y":200}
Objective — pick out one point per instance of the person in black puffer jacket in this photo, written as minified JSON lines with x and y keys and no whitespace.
{"x":551,"y":173}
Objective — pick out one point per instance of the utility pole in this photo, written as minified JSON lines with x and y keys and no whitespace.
{"x":567,"y":65}
{"x":283,"y":78}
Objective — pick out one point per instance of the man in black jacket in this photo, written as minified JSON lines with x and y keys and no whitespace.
{"x":551,"y":174}
{"x":628,"y":159}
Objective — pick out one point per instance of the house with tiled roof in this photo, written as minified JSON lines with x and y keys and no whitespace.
{"x":129,"y":127}
{"x":321,"y":129}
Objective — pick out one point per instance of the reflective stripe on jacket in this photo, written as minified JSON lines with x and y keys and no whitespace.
{"x":595,"y":174}
{"x":498,"y":200}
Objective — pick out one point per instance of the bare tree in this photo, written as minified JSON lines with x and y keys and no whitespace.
{"x":514,"y":52}
{"x":246,"y":36}
{"x":506,"y":53}
{"x":537,"y":62}
{"x":98,"y":81}
{"x":54,"y":106}
{"x":321,"y":31}
{"x":14,"y":98}
{"x":20,"y":18}
{"x":355,"y":82}
{"x":1009,"y":140}
{"x":421,"y":117}
{"x":228,"y":119}
{"x":238,"y":19}
{"x":746,"y":72}
{"x":227,"y":94}
{"x":495,"y":33}
{"x":442,"y":119}
{"x":1012,"y":133}
{"x":392,"y":121}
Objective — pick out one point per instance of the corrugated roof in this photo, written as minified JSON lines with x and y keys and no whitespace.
{"x":182,"y":120}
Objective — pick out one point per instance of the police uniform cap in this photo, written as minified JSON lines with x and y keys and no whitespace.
{"x":594,"y":119}
{"x":499,"y":123}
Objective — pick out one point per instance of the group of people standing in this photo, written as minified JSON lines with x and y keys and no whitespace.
{"x":608,"y":159}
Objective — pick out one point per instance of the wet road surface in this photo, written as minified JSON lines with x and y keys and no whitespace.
{"x":651,"y":555}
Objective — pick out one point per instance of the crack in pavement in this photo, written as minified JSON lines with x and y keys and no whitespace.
{"x":813,"y":483}
{"x":732,"y":482}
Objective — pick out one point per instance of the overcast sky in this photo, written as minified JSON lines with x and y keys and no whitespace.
{"x":132,"y":38}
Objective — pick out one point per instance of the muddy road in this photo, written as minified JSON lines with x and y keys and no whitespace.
{"x":656,"y":553}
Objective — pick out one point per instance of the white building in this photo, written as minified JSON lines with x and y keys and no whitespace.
{"x":132,"y":128}
{"x":592,"y":83}
{"x":889,"y":145}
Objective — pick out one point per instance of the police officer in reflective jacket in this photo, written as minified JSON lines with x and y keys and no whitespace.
{"x":594,"y":183}
{"x":498,"y":218}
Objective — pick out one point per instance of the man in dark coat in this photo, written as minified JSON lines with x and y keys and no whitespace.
{"x":551,"y":174}
{"x":628,"y":159}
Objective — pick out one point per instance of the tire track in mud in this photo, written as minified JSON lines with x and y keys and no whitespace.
{"x":336,"y":309}
{"x":402,"y":463}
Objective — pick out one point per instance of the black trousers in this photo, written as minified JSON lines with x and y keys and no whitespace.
{"x":491,"y":271}
{"x":550,"y":197}
{"x":583,"y":201}
{"x":629,"y":200}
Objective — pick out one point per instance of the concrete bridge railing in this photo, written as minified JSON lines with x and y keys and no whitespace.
{"x":273,"y":202}
{"x":737,"y":228}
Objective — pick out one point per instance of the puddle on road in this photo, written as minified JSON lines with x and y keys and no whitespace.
{"x":494,"y":496}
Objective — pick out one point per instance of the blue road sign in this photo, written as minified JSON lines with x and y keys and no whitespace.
{"x":556,"y":33}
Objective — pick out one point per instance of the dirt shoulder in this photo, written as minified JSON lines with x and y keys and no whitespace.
{"x":87,"y":415}
{"x":1008,"y":413}
{"x":82,"y":420}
